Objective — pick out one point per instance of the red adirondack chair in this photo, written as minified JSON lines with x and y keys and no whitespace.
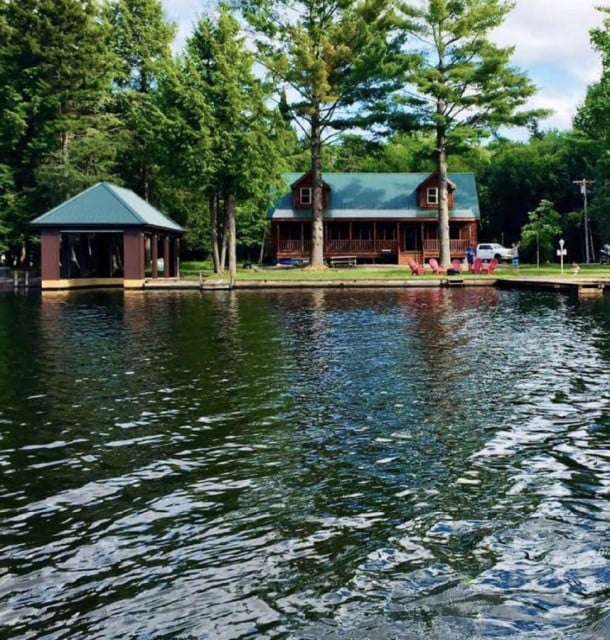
{"x":436,"y":267}
{"x":490,"y":267}
{"x":477,"y":266}
{"x":416,"y":269}
{"x":456,"y":265}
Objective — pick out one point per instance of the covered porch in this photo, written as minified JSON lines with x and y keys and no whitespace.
{"x":373,"y":241}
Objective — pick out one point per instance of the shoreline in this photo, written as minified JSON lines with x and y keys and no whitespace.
{"x":583,"y":286}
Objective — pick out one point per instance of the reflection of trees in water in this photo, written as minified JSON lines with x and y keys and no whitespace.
{"x":439,"y":359}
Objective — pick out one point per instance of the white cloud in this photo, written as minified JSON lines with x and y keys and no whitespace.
{"x":552,"y":44}
{"x":551,"y":39}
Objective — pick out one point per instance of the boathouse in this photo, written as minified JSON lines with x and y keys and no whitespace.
{"x":371,"y":217}
{"x":106,"y":236}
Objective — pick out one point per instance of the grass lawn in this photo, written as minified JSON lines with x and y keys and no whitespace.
{"x":192,"y":271}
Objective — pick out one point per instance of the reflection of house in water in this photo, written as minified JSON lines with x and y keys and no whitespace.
{"x":106,"y":236}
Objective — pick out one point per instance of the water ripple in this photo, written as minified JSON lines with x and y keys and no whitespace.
{"x":321,"y":464}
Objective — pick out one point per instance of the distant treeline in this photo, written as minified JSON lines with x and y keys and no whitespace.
{"x":93,"y":90}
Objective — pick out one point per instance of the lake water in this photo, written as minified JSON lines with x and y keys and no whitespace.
{"x":315,"y":464}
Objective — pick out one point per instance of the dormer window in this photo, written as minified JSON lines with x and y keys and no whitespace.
{"x":302,"y":191}
{"x":432,"y":195}
{"x":305,"y":195}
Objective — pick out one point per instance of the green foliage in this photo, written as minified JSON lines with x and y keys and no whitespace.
{"x":539,"y":235}
{"x":222,"y":137}
{"x":55,"y":75}
{"x":140,"y":39}
{"x":592,"y":121}
{"x":520,"y":175}
{"x":339,"y":60}
{"x":334,"y":55}
{"x":89,"y":91}
{"x":402,"y":153}
{"x":462,"y":86}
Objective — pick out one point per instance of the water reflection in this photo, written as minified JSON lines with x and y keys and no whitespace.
{"x":318,"y":464}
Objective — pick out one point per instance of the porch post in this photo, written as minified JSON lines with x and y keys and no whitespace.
{"x":398,"y":229}
{"x":49,"y":254}
{"x":176,"y":261}
{"x":134,"y":257}
{"x":166,"y":258}
{"x":302,"y":237}
{"x":154,"y":254}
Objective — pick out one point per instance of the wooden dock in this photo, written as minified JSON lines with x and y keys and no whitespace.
{"x":584,"y":288}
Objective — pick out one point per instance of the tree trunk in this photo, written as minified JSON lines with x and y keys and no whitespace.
{"x":443,"y":202}
{"x":145,"y":176}
{"x":317,"y":211}
{"x":231,"y":233}
{"x":261,"y":255}
{"x":214,"y":228}
{"x":225,"y":237}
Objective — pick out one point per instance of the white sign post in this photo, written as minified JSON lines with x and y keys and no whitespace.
{"x":561,"y":252}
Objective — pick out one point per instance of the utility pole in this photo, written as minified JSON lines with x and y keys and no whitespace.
{"x":588,"y":240}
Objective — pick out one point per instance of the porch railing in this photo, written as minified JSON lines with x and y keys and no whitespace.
{"x":341,"y":246}
{"x":295,"y":246}
{"x":456,"y":247}
{"x":430,"y":247}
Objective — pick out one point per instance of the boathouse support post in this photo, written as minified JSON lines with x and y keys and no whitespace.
{"x":49,"y":254}
{"x":166,"y":258}
{"x":154,"y":255}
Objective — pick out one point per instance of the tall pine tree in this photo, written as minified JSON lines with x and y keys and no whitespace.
{"x":231,"y":142}
{"x":336,"y":60}
{"x":141,"y":39}
{"x":55,"y":75}
{"x":461,"y":84}
{"x":592,"y":122}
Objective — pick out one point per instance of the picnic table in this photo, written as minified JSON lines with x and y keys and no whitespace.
{"x":342,"y":261}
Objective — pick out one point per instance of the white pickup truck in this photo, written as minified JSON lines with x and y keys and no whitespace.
{"x":490,"y":250}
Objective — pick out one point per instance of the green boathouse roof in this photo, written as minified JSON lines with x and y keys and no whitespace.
{"x":106,"y":205}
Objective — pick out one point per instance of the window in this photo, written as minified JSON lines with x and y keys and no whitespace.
{"x":386,"y":231}
{"x":362,"y":231}
{"x":306,"y":195}
{"x":432,"y":195}
{"x":290,"y":231}
{"x":338,"y":231}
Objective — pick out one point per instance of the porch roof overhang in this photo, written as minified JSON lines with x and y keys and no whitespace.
{"x":377,"y":215}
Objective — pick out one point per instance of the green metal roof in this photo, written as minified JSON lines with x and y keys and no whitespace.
{"x":106,"y":205}
{"x":379,"y":195}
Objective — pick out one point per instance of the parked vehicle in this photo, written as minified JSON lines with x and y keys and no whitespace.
{"x":604,"y":254}
{"x":491,"y":250}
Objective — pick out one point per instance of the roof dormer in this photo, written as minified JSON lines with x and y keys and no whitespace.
{"x":302,"y":193}
{"x":427,"y":193}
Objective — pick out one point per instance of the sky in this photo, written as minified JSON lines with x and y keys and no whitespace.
{"x":552,"y":45}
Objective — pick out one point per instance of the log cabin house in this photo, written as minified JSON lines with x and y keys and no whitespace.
{"x":376,"y":217}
